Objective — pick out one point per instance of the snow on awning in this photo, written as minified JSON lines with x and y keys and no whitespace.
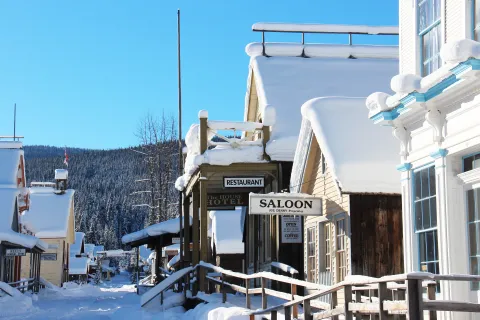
{"x":360,"y":156}
{"x":49,"y":213}
{"x":227,"y":231}
{"x":285,"y":83}
{"x":165,"y":227}
{"x":8,"y":200}
{"x":78,"y":266}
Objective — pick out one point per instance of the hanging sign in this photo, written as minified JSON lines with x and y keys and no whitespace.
{"x":291,"y":229}
{"x":15,"y":253}
{"x":226,"y":201}
{"x":285,"y":204}
{"x":175,"y":240}
{"x":243,"y":182}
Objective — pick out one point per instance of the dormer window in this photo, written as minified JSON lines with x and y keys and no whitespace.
{"x":429,"y":30}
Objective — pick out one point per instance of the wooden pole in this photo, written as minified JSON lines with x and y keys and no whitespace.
{"x":203,"y":229}
{"x":264,"y":296}
{"x":295,"y":307}
{"x":414,"y":299}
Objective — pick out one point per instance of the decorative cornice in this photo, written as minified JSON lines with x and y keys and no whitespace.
{"x":472,"y":176}
{"x":406,"y":166}
{"x":439,"y":153}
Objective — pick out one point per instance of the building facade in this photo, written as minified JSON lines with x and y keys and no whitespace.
{"x":435,"y":115}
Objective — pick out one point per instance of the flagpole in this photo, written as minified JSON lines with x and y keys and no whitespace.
{"x":180,"y":155}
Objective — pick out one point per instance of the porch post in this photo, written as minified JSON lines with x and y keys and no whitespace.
{"x":203,"y":229}
{"x":195,"y":226}
{"x":186,"y":230}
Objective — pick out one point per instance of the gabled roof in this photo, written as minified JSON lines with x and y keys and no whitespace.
{"x":285,"y":83}
{"x":49,"y":213}
{"x":76,"y":248}
{"x":158,"y":229}
{"x":360,"y":156}
{"x":8,"y":200}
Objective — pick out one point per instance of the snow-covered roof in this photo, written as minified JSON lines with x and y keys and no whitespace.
{"x":285,"y":83}
{"x":76,"y":247}
{"x":169,"y":226}
{"x":49,"y":213}
{"x":360,"y":156}
{"x":61,"y":174}
{"x":97,"y":249}
{"x":8,"y":199}
{"x":227,"y":231}
{"x":77,"y":266}
{"x":10,"y":155}
{"x":89,"y":247}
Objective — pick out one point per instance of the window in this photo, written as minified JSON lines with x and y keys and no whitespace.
{"x":328,"y":246}
{"x":476,"y":19}
{"x":311,"y":261}
{"x":429,"y":30}
{"x":341,"y":252}
{"x":425,"y":209}
{"x":473,"y":208}
{"x":471,"y":162}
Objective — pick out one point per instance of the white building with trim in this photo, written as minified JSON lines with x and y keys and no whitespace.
{"x":435,"y":115}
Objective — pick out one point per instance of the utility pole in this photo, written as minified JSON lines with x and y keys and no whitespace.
{"x":180,"y":154}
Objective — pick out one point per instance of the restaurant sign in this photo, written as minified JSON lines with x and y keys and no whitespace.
{"x":15,"y":252}
{"x":226,"y":201}
{"x":243,"y":182}
{"x":285,"y":204}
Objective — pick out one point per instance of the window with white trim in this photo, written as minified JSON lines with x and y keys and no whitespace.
{"x":311,"y":260}
{"x":473,"y":220}
{"x":476,"y":19}
{"x":425,"y":209}
{"x":341,"y":255}
{"x":429,"y":31}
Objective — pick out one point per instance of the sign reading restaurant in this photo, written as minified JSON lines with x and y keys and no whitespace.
{"x":243,"y":182}
{"x":285,"y":204}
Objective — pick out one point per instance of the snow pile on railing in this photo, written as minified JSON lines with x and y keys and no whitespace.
{"x":284,"y":267}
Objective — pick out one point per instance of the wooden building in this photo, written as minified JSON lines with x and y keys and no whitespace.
{"x":14,"y":245}
{"x":360,"y":229}
{"x":51,"y":218}
{"x":78,"y":262}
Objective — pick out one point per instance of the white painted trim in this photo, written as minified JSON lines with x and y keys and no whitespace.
{"x":469,"y":177}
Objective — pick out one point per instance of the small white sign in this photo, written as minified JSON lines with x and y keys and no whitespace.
{"x":15,"y":252}
{"x":243,"y":182}
{"x":291,"y":229}
{"x":285,"y":204}
{"x":175,"y":240}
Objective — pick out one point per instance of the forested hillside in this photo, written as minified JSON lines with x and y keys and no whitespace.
{"x":104,"y":181}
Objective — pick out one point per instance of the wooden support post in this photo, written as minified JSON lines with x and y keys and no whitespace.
{"x":252,"y":317}
{"x":203,"y":230}
{"x":431,"y":292}
{"x":203,"y":117}
{"x":265,"y":139}
{"x":195,"y":234}
{"x":307,"y":311}
{"x":333,"y":303}
{"x":161,"y":298}
{"x":273,"y":315}
{"x":187,"y":285}
{"x":293,"y":290}
{"x":264,"y":296}
{"x":382,"y":296}
{"x":414,"y":299}
{"x":348,"y":298}
{"x":288,"y":313}
{"x":224,"y":292}
{"x":358,"y":296}
{"x":186,"y":231}
{"x":247,"y":294}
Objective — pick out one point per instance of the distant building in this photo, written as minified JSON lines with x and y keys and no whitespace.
{"x":51,"y":218}
{"x":78,"y":261}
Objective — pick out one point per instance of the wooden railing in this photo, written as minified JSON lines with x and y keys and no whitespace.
{"x":25,"y":285}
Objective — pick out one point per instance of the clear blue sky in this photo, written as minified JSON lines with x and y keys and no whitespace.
{"x":83,"y":73}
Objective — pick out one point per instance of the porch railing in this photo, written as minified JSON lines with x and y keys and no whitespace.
{"x":25,"y":285}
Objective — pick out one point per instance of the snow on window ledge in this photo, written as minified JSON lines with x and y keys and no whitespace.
{"x":471,"y":177}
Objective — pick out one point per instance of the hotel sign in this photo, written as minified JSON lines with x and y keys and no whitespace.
{"x":285,"y":204}
{"x":226,"y":201}
{"x":243,"y":182}
{"x":15,"y":252}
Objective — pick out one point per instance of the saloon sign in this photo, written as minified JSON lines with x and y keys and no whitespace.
{"x":285,"y":204}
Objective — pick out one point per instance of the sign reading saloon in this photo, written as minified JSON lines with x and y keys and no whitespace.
{"x":243,"y":182}
{"x":285,"y":204}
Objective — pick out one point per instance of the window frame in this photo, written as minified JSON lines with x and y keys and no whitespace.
{"x":422,"y":33}
{"x":425,"y":231}
{"x":339,"y":275}
{"x":311,"y":269}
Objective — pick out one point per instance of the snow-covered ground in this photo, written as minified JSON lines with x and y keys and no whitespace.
{"x":117,"y":300}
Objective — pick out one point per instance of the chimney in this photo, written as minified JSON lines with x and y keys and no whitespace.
{"x":61,"y":177}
